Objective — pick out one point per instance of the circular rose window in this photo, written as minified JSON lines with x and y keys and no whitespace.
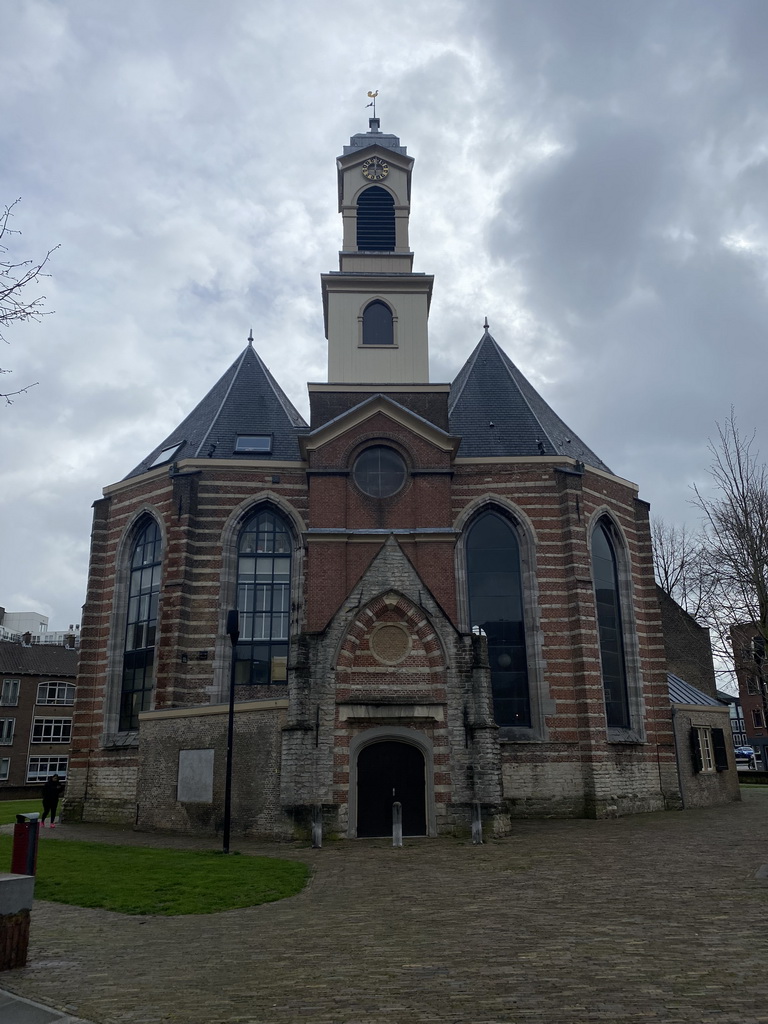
{"x":379,"y":472}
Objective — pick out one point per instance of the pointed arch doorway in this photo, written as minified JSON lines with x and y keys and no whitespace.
{"x":390,"y":770}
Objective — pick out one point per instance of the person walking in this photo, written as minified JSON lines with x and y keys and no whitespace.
{"x":52,"y":790}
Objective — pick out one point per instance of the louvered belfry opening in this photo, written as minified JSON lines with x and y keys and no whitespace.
{"x":376,"y":220}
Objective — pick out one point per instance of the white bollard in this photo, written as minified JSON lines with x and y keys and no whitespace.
{"x":397,"y":823}
{"x":477,"y":824}
{"x":317,"y":828}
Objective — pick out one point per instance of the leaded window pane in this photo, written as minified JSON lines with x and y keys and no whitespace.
{"x":378,"y":326}
{"x":496,"y":606}
{"x":610,"y":628}
{"x":141,"y":627}
{"x":263,"y":589}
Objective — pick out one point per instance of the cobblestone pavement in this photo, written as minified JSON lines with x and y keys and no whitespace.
{"x":656,"y":917}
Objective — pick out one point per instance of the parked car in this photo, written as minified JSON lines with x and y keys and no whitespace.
{"x":744,"y":754}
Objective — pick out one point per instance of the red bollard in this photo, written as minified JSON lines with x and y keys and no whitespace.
{"x":24,"y":855}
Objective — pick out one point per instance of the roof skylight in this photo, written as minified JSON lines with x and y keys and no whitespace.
{"x":254,"y":443}
{"x":165,"y":455}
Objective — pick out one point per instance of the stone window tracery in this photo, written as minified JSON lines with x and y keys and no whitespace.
{"x":263,"y":600}
{"x":141,"y":625}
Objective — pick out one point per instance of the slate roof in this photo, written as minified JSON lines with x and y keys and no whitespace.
{"x":681,"y":692}
{"x":497,"y":412}
{"x":246,"y":400}
{"x":37,"y":660}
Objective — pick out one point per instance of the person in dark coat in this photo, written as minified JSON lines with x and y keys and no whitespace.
{"x":52,"y":790}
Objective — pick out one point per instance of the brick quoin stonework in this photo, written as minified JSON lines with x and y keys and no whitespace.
{"x":382,"y":651}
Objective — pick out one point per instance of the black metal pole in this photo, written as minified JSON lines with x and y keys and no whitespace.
{"x":233,"y":630}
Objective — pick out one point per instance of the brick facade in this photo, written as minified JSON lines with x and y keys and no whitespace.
{"x":382,"y":651}
{"x":353,"y":584}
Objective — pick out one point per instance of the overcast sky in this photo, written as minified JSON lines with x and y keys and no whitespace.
{"x":591,"y":174}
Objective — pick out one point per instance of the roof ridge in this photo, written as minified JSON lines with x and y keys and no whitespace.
{"x":466,"y":371}
{"x":372,"y":398}
{"x":214,"y":418}
{"x":510,"y":367}
{"x":288,"y":407}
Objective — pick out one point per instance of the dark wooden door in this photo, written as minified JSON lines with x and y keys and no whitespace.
{"x":386,"y":772}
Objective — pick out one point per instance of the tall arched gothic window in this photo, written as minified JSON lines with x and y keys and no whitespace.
{"x":263,"y":600}
{"x":141,"y":625}
{"x":496,"y":606}
{"x":378,"y":325}
{"x":605,"y":573}
{"x":376,"y":220}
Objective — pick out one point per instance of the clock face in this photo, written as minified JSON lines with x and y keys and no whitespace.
{"x":375,"y":169}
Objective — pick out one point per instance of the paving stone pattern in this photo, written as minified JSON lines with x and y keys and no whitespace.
{"x":656,"y":917}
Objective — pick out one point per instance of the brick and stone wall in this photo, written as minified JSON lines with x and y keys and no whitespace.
{"x":256,"y":808}
{"x":704,"y":788}
{"x":687,"y":646}
{"x":348,"y":587}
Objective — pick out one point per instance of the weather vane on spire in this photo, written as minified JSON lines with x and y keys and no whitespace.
{"x":372,"y":96}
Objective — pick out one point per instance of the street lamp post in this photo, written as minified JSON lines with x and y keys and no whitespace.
{"x":233,"y":631}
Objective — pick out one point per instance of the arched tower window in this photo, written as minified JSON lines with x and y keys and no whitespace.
{"x":496,"y":606}
{"x":141,"y":625}
{"x":378,"y":326}
{"x":605,"y":573}
{"x":376,"y":220}
{"x":263,"y":599}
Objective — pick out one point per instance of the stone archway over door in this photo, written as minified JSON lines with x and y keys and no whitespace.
{"x":389,"y":771}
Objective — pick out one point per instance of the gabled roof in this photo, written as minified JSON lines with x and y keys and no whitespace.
{"x":246,"y":400}
{"x":365,"y":410}
{"x":681,"y":692}
{"x":497,"y":412}
{"x":37,"y":660}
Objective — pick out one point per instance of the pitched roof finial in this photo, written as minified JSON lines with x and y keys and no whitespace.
{"x":486,"y":325}
{"x":250,"y":338}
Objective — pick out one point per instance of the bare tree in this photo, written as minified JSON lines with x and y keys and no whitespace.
{"x":681,"y":566}
{"x":735,"y":518}
{"x":736,"y":526}
{"x":16,"y":280}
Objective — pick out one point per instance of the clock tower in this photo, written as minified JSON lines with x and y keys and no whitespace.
{"x":375,"y":306}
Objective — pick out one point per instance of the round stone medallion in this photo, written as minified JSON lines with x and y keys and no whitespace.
{"x":390,"y":644}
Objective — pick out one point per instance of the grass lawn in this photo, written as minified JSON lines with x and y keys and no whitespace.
{"x":10,"y":808}
{"x":134,"y":880}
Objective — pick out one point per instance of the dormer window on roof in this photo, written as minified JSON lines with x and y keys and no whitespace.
{"x":261,"y":443}
{"x":165,"y":455}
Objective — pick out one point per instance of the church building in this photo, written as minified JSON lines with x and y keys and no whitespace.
{"x":445,"y":597}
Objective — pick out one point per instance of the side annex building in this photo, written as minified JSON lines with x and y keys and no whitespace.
{"x":445,"y":596}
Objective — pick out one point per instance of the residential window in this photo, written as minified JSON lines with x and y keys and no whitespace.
{"x":753,"y":686}
{"x":5,"y":768}
{"x":9,"y":695}
{"x":757,"y":718}
{"x":39,"y":769}
{"x":141,"y":626}
{"x":263,"y":600}
{"x":605,"y":574}
{"x":52,"y":730}
{"x":6,"y":730}
{"x":56,"y":693}
{"x":378,"y":324}
{"x":707,"y":758}
{"x":708,"y":750}
{"x":494,"y":584}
